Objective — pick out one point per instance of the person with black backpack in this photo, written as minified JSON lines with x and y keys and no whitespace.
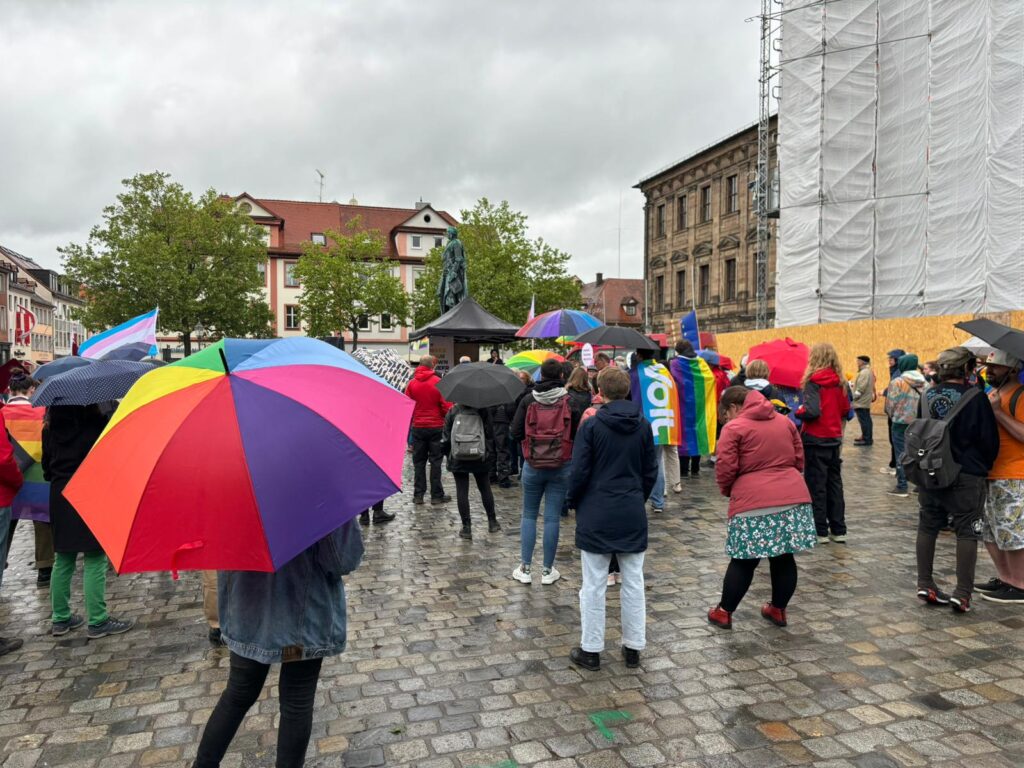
{"x":948,"y":455}
{"x":545,"y":424}
{"x":468,"y":441}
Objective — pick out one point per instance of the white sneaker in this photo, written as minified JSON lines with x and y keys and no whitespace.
{"x":823,"y":539}
{"x":887,"y":470}
{"x":677,"y":488}
{"x":551,"y":575}
{"x":523,"y":574}
{"x":839,"y":538}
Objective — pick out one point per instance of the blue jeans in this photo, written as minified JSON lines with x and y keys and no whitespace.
{"x":658,"y":494}
{"x":552,"y":484}
{"x":899,"y":446}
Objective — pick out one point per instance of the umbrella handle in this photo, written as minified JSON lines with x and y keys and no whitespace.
{"x":183,"y":548}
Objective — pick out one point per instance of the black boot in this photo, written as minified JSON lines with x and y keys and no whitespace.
{"x":585,"y":659}
{"x":493,"y":526}
{"x":631,"y":656}
{"x":364,"y":517}
{"x":43,"y":577}
{"x":466,"y":532}
{"x":382,"y":517}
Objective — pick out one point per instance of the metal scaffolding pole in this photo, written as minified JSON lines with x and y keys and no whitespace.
{"x":770,"y":26}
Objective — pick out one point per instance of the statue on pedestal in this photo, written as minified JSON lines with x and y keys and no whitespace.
{"x":453,"y":287}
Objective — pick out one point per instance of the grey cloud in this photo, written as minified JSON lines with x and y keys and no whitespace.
{"x":557,"y":106}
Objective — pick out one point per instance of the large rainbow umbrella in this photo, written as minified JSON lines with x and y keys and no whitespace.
{"x":531,"y":361}
{"x":558,"y":322}
{"x":240,"y":457}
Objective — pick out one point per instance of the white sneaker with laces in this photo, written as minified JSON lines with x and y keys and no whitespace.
{"x":551,"y":575}
{"x":523,"y":574}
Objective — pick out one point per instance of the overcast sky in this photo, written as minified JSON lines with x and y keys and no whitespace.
{"x":558,"y":106}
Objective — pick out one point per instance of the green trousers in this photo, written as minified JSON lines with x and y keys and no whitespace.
{"x":94,"y":584}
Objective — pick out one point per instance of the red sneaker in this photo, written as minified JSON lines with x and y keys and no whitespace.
{"x":776,"y":616}
{"x":933,"y":596}
{"x":961,"y":604}
{"x":720,"y":617}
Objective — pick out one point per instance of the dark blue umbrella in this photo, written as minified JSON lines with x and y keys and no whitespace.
{"x":99,"y":382}
{"x":134,"y":351}
{"x":63,"y":365}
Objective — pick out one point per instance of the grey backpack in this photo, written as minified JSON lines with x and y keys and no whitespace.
{"x":469,"y":442}
{"x":928,"y":459}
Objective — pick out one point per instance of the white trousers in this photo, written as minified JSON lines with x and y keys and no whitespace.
{"x":631,"y":596}
{"x":670,"y":454}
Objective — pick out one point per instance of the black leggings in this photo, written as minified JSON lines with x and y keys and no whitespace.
{"x":740,"y":573}
{"x":483,"y":484}
{"x":245,"y":682}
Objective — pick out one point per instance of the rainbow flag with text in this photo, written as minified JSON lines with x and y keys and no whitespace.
{"x":660,"y":402}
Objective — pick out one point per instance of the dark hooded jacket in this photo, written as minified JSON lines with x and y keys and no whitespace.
{"x":614,"y":469}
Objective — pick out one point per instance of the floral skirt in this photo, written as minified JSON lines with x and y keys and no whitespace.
{"x":1003,"y":522}
{"x":776,"y":533}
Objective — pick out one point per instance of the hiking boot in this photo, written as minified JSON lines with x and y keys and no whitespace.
{"x":933,"y":596}
{"x":720,"y":617}
{"x":522,"y":574}
{"x":364,"y":518}
{"x":631,"y":656}
{"x":1007,"y":594}
{"x":585,"y":659}
{"x":418,"y":500}
{"x":897,"y":491}
{"x":493,"y":526}
{"x":960,"y":604}
{"x":466,"y":533}
{"x":776,"y":616}
{"x":438,"y":501}
{"x":383,"y":517}
{"x":838,"y":538}
{"x":43,"y":577}
{"x":109,"y":627}
{"x":59,"y":628}
{"x":992,"y":585}
{"x":10,"y":644}
{"x":550,"y":576}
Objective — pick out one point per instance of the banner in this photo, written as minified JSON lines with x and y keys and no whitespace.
{"x":587,"y":355}
{"x":659,"y":401}
{"x":24,"y":322}
{"x":698,"y":404}
{"x":691,"y":331}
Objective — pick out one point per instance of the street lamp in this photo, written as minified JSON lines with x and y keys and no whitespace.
{"x":200,"y":333}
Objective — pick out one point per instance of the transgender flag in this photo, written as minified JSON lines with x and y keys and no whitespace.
{"x":141,"y":329}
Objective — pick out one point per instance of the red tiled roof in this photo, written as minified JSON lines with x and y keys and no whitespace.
{"x":301,"y":219}
{"x":604,"y":301}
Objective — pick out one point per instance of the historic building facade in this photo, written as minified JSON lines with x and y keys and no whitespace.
{"x":700,"y":238}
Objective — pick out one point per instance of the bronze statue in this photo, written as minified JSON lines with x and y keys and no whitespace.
{"x":453,"y":287}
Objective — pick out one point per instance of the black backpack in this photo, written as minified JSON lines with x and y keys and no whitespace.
{"x":928,"y":458}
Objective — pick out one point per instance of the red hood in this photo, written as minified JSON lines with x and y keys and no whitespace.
{"x":757,"y":407}
{"x":825,"y":377}
{"x":423,"y":374}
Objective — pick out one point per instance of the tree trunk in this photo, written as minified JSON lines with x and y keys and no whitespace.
{"x":355,"y":337}
{"x":186,"y":343}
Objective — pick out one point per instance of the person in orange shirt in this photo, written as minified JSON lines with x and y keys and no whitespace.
{"x":1003,"y":531}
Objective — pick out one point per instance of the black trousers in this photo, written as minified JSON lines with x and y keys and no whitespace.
{"x":823,"y":474}
{"x":740,"y":573}
{"x":245,"y":682}
{"x":689,"y":465}
{"x":502,"y":454}
{"x":892,"y":445}
{"x":483,"y":484}
{"x":426,"y":446}
{"x":867,"y":427}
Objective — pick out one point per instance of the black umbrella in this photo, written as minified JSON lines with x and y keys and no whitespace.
{"x":615,"y":336}
{"x":480,"y":385}
{"x":134,"y":351}
{"x":100,"y":382}
{"x":997,"y":335}
{"x":57,"y":367}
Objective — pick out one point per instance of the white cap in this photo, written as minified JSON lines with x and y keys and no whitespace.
{"x":999,"y":357}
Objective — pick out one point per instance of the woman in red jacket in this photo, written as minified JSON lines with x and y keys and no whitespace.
{"x":760,"y":460}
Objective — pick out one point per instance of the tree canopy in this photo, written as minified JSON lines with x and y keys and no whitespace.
{"x":347,"y":280}
{"x":506,"y":269}
{"x":197,"y":259}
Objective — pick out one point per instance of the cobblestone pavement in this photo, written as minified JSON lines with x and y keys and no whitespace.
{"x":451,"y":664}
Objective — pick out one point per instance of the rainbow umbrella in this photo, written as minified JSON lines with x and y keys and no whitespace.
{"x":241,"y":456}
{"x":531,"y":361}
{"x":559,"y":322}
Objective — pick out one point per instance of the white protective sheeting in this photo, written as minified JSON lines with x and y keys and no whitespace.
{"x":904,"y":138}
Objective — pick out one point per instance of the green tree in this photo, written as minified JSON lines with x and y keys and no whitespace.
{"x":197,"y":259}
{"x":346,"y":280}
{"x":506,"y":269}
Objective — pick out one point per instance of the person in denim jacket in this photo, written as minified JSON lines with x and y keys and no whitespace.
{"x":295,"y":617}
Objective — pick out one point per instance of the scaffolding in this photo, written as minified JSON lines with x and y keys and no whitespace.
{"x":770,"y":29}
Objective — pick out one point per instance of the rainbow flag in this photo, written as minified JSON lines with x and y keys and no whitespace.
{"x":141,"y":329}
{"x":25,"y":426}
{"x":659,"y":400}
{"x":698,"y":402}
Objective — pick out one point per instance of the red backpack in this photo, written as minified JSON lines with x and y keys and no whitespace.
{"x":548,"y":442}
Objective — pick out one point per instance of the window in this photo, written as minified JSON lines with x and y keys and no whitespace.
{"x":705,"y":203}
{"x":680,"y":288}
{"x":732,"y":194}
{"x":659,"y":293}
{"x":290,"y":280}
{"x":385,"y":322}
{"x":681,"y":212}
{"x":659,"y":220}
{"x":416,"y":241}
{"x":291,"y":317}
{"x":262,"y":269}
{"x":318,"y":238}
{"x":438,"y":242}
{"x":730,"y":279}
{"x":630,"y":308}
{"x":705,"y":284}
{"x":416,"y":275}
{"x":364,"y":323}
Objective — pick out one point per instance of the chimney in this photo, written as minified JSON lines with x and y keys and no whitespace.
{"x":420,"y":205}
{"x":600,"y":278}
